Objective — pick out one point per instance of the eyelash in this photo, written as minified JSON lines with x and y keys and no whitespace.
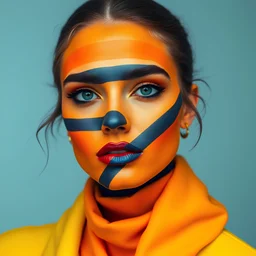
{"x":73,"y":95}
{"x":159,"y":89}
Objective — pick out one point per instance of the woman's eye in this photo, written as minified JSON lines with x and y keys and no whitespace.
{"x":83,"y":96}
{"x":149,"y":91}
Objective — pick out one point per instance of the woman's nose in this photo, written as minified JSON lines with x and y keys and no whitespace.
{"x":115,"y":122}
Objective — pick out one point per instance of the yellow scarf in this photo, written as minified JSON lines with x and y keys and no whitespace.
{"x":173,"y":216}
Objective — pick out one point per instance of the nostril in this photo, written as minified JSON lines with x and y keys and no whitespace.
{"x":107,"y":129}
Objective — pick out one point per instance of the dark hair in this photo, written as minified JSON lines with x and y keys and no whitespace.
{"x":147,"y":13}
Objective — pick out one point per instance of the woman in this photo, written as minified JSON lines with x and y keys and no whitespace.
{"x":124,"y":74}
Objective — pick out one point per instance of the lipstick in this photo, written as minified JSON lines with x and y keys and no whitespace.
{"x":118,"y":153}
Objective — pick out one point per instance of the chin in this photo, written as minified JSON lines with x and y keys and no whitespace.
{"x":122,"y":183}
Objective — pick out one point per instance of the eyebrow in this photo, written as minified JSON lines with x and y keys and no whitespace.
{"x":115,"y":73}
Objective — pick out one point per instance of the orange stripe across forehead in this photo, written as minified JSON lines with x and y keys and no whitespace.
{"x":114,"y":50}
{"x":101,"y":42}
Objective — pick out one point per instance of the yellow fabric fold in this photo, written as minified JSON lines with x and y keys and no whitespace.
{"x":172,"y":216}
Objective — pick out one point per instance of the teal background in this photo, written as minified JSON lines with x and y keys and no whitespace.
{"x":223,"y":37}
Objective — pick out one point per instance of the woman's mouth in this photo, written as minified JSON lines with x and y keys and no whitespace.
{"x":118,"y":153}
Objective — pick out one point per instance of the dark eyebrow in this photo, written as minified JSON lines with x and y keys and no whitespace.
{"x":115,"y":73}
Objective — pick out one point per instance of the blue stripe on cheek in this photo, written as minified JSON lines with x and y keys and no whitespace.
{"x":145,"y":139}
{"x":158,"y":127}
{"x":112,"y":119}
{"x":86,"y":124}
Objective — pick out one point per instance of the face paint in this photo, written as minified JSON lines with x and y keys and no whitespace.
{"x":116,"y":73}
{"x":114,"y":119}
{"x":147,"y":127}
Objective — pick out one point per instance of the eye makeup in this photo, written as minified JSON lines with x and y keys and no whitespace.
{"x":82,"y":95}
{"x":83,"y":92}
{"x":157,"y":88}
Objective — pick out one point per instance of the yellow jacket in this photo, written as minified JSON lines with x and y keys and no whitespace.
{"x":63,"y":238}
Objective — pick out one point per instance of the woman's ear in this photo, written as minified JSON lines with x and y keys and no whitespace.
{"x":188,"y":114}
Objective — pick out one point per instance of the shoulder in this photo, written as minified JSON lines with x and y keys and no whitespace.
{"x":44,"y":239}
{"x":228,"y":244}
{"x":27,"y":241}
{"x":31,"y":240}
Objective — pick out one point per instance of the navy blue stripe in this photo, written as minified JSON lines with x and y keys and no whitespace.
{"x":142,"y":141}
{"x":85,"y":124}
{"x":115,"y":73}
{"x":158,"y":127}
{"x":112,"y":119}
{"x":145,"y":138}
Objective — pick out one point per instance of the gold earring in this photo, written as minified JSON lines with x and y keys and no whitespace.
{"x":185,"y":135}
{"x":69,"y":139}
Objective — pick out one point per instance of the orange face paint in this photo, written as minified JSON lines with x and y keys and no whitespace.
{"x":119,"y":72}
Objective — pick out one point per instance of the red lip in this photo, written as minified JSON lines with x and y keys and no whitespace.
{"x":112,"y":147}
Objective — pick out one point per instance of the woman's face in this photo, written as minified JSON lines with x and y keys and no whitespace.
{"x":120,"y":86}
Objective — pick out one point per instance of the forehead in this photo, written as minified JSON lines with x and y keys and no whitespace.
{"x":102,"y":44}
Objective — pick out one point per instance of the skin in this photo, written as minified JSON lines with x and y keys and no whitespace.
{"x":111,"y":44}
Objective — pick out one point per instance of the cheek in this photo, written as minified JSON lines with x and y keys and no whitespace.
{"x":82,"y":149}
{"x":82,"y":142}
{"x":170,"y":138}
{"x":154,"y":159}
{"x":163,"y":148}
{"x":85,"y":146}
{"x":70,"y":109}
